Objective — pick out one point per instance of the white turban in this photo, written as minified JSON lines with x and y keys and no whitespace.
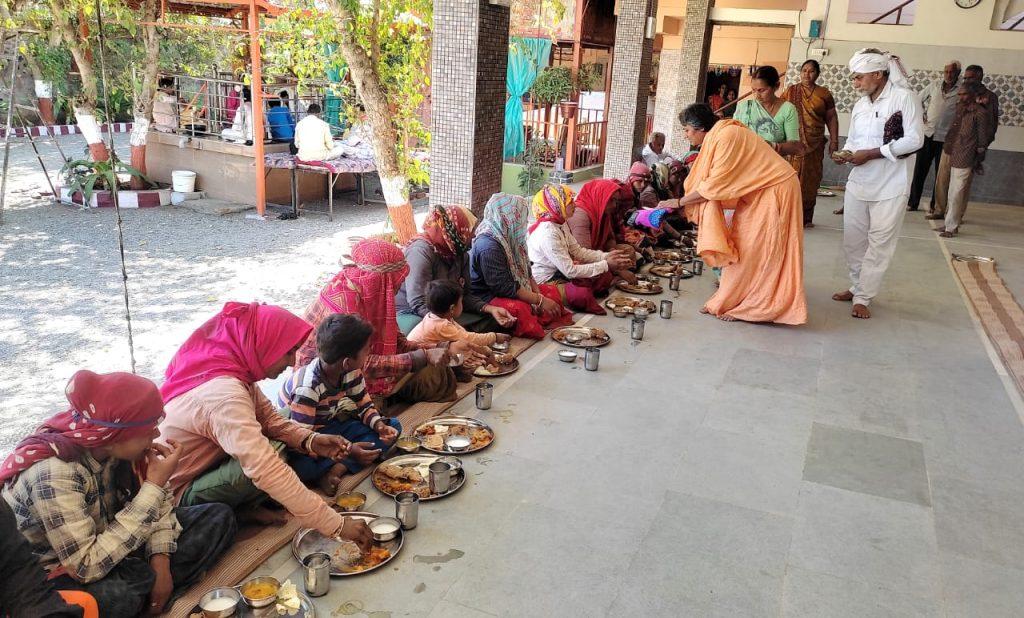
{"x":866,"y":61}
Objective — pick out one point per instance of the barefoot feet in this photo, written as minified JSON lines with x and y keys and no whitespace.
{"x":329,"y":482}
{"x":861,"y":311}
{"x":262,"y":516}
{"x":844,"y":297}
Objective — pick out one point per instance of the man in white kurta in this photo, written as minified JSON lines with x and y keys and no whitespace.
{"x":879,"y":183}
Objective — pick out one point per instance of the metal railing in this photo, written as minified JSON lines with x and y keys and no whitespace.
{"x":205,"y":107}
{"x":545,"y":123}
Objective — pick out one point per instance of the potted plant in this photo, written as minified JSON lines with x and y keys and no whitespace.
{"x":552,"y":86}
{"x":92,"y":183}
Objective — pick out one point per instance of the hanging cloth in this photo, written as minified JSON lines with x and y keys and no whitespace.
{"x":526,"y":57}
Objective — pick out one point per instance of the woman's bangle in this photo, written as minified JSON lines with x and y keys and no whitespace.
{"x":307,"y":444}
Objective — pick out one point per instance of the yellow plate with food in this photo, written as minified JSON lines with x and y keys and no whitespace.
{"x":629,"y":304}
{"x":581,"y":336}
{"x":642,"y":286}
{"x":346,"y":559}
{"x":503,"y":365}
{"x":436,"y":431}
{"x":412,"y":473}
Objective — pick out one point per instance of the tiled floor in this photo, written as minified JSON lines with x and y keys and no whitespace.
{"x":844,"y":468}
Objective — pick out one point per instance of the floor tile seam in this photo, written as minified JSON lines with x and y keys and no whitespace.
{"x":760,"y":441}
{"x":792,"y":517}
{"x":959,"y":240}
{"x":871,"y":584}
{"x":997,"y":363}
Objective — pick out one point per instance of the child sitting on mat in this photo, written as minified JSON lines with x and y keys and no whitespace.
{"x":329,"y":395}
{"x":444,"y":300}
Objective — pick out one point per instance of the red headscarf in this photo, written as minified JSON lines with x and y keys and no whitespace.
{"x":241,"y":341}
{"x":450,"y":230}
{"x":594,"y":199}
{"x":105,"y":409}
{"x":370,"y":284}
{"x":639,"y":170}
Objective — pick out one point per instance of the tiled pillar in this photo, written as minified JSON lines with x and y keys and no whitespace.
{"x":631,"y":75}
{"x":682,"y":74}
{"x":470,"y":56}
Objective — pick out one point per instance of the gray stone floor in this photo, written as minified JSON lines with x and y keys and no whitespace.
{"x":844,"y":468}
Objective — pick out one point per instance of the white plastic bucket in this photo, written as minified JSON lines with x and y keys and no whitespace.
{"x":183,"y":181}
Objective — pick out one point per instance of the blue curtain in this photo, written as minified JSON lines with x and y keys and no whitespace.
{"x":526,"y":57}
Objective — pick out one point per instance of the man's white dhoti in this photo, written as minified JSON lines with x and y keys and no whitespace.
{"x":870,"y":232}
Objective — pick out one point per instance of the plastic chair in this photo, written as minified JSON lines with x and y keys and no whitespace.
{"x":83,"y":600}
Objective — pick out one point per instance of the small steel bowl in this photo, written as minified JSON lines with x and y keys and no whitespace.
{"x":567,"y":356}
{"x":409,"y":444}
{"x":457,"y":443}
{"x":385,"y":528}
{"x":261,"y":601}
{"x":620,"y":312}
{"x":500,"y":347}
{"x":220,"y":593}
{"x":659,"y":262}
{"x":640,"y":312}
{"x":573,"y":337}
{"x":347,"y":501}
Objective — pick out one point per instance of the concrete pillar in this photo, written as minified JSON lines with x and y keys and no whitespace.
{"x":682,"y":74}
{"x":631,"y":75}
{"x":470,"y":56}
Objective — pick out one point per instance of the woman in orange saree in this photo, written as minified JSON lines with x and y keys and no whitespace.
{"x":815,"y":110}
{"x":761,"y":252}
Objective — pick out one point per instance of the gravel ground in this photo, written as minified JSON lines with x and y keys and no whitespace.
{"x":61,"y":299}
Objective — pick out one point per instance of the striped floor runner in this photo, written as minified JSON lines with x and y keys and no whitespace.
{"x":1001,"y":316}
{"x":256,"y":545}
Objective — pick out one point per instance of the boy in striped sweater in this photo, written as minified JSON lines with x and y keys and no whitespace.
{"x":329,"y":395}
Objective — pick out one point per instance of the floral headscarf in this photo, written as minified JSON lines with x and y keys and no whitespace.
{"x":450,"y":230}
{"x":550,"y":204}
{"x":505,"y":218}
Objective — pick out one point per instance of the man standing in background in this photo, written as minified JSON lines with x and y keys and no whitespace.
{"x":885,"y":131}
{"x":939,"y":102}
{"x":973,"y":74}
{"x":963,"y":150}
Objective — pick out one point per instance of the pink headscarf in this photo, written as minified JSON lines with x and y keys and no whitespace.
{"x":639,"y":170}
{"x":105,"y":409}
{"x":242,"y":341}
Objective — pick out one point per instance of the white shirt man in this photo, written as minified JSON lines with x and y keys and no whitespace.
{"x":939,"y":103}
{"x":654,"y":152}
{"x":313,"y":137}
{"x":879,"y":183}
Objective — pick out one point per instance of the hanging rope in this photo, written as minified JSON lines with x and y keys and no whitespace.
{"x":113,"y":190}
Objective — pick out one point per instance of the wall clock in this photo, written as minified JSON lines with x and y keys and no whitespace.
{"x":967,"y":4}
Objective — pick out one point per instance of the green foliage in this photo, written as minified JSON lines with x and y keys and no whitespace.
{"x":54,"y":61}
{"x":587,"y":78}
{"x":86,"y":177}
{"x":554,"y":84}
{"x":531,"y":177}
{"x":396,"y":35}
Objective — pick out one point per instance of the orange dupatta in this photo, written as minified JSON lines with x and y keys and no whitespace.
{"x":733,"y":162}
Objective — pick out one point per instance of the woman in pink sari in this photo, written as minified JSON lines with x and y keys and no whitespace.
{"x":226,"y":425}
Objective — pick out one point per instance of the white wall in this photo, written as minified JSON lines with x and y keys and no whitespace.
{"x":941,"y":32}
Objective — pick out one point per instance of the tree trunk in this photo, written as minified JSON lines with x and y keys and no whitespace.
{"x":144,"y":101}
{"x":43,"y":90}
{"x":85,"y":103}
{"x":383,"y":136}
